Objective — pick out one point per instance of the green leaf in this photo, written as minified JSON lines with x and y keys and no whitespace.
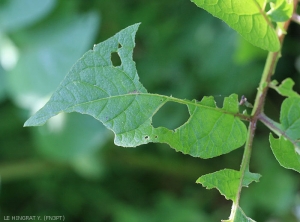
{"x":290,"y":118}
{"x":281,"y":10}
{"x":114,"y":96}
{"x":247,"y":18}
{"x":285,"y":153}
{"x":250,"y":177}
{"x":287,"y":148}
{"x":227,"y":181}
{"x":239,"y":216}
{"x":285,"y":88}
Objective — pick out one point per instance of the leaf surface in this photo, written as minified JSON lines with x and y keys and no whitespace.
{"x":227,"y":181}
{"x":290,"y":117}
{"x":281,"y":10}
{"x":114,"y":96}
{"x":285,"y":153}
{"x":285,"y":88}
{"x":247,"y":18}
{"x":287,"y":148}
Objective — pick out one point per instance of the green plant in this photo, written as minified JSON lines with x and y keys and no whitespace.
{"x":111,"y":92}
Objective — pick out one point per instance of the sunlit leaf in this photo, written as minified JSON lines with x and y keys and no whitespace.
{"x":114,"y":96}
{"x":247,"y":18}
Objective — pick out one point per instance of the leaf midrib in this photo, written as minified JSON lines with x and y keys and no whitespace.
{"x":169,"y":99}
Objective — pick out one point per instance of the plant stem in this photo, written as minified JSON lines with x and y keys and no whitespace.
{"x":269,"y":69}
{"x":257,"y":109}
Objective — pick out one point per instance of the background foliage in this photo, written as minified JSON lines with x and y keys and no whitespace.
{"x":70,"y":166}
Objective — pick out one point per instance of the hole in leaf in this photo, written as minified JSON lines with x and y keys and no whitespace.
{"x":219,"y":99}
{"x":146,"y":137}
{"x":171,"y":115}
{"x":115,"y":59}
{"x":267,"y":7}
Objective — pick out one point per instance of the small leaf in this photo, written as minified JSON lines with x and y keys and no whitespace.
{"x":239,"y":216}
{"x":285,"y":153}
{"x":247,"y":18}
{"x":250,"y":177}
{"x":281,"y":10}
{"x":285,"y":88}
{"x":227,"y":181}
{"x":114,"y":96}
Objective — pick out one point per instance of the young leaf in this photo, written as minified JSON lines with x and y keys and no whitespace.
{"x":285,"y":153}
{"x":114,"y":96}
{"x":247,"y":18}
{"x":281,"y":10}
{"x":285,"y":88}
{"x":227,"y":181}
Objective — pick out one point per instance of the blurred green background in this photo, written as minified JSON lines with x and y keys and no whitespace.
{"x":71,"y":167}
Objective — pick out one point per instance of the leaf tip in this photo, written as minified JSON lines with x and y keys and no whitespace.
{"x":35,"y":120}
{"x":31,"y":122}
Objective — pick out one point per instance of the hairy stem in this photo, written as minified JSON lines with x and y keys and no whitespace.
{"x":269,"y":69}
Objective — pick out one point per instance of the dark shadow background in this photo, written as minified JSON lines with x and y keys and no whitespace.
{"x":70,"y":166}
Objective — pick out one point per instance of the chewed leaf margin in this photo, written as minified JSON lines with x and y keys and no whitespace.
{"x":227,"y":181}
{"x":115,"y":96}
{"x":285,"y":88}
{"x":281,"y":10}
